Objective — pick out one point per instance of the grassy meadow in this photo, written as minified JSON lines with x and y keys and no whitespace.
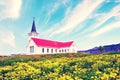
{"x":75,"y":66}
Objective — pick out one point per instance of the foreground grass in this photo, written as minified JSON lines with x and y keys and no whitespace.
{"x":62,"y":67}
{"x":9,"y":60}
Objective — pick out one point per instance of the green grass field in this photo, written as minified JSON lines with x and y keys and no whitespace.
{"x":61,"y":67}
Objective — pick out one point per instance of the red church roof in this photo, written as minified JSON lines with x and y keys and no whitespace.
{"x":49,"y":43}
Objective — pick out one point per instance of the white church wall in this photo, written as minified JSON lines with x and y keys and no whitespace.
{"x":31,"y":43}
{"x":48,"y":50}
{"x":73,"y":48}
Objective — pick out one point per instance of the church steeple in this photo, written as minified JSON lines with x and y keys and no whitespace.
{"x":33,"y":33}
{"x":33,"y":26}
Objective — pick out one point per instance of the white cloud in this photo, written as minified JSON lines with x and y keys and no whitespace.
{"x":64,"y":1}
{"x":68,"y":10}
{"x":81,"y":12}
{"x":54,"y":8}
{"x":105,"y":29}
{"x":57,"y":5}
{"x":113,"y":1}
{"x":105,"y":17}
{"x":10,"y":8}
{"x":8,"y":38}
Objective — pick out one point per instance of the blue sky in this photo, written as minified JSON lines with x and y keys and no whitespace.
{"x":89,"y":23}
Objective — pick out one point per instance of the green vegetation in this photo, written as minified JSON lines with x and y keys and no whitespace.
{"x":61,"y":67}
{"x":25,"y":58}
{"x":101,"y":48}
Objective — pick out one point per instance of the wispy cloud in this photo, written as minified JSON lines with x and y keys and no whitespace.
{"x":80,"y":13}
{"x":68,"y":11}
{"x":102,"y":19}
{"x":10,"y":8}
{"x":57,"y":5}
{"x":105,"y":29}
{"x":8,"y":38}
{"x":54,"y":8}
{"x":64,"y":1}
{"x":113,"y":0}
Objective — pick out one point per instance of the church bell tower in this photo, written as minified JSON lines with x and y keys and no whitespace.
{"x":33,"y":33}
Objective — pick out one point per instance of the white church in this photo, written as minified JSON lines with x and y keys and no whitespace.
{"x":37,"y":45}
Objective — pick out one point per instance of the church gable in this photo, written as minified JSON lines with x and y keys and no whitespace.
{"x":31,"y":47}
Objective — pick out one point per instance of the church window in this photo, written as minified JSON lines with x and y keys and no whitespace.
{"x":51,"y":50}
{"x":47,"y":50}
{"x":55,"y":50}
{"x":42,"y":50}
{"x":62,"y":50}
{"x":31,"y":49}
{"x":65,"y":50}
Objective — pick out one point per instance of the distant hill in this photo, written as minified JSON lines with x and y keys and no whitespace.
{"x":106,"y":48}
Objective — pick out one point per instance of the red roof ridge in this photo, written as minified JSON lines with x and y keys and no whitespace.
{"x":52,"y":40}
{"x":51,"y":43}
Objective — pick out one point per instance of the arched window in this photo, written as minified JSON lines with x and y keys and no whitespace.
{"x":62,"y":50}
{"x":65,"y":50}
{"x":51,"y":50}
{"x":42,"y":50}
{"x":47,"y":50}
{"x":55,"y":50}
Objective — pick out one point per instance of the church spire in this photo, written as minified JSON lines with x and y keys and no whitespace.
{"x":33,"y":26}
{"x":33,"y":33}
